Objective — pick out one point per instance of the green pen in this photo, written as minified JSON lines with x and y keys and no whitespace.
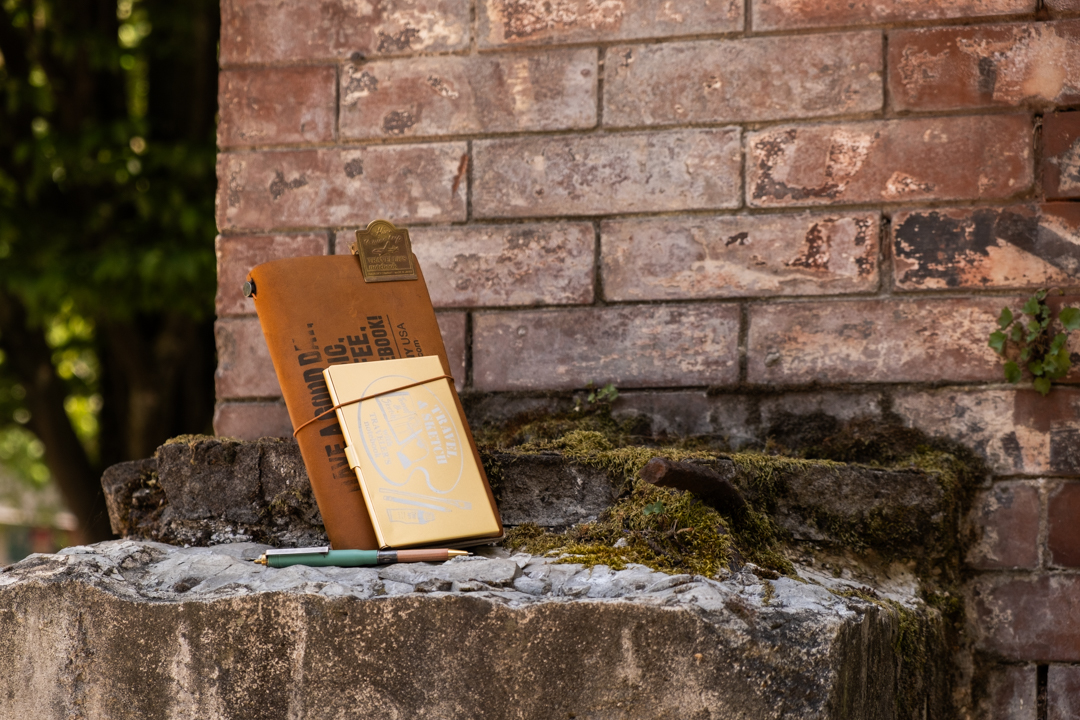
{"x":325,"y":557}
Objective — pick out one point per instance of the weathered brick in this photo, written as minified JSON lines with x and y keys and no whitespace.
{"x":873,"y":341}
{"x":1006,"y":692}
{"x":521,"y":22}
{"x":890,"y":161}
{"x":630,"y":346}
{"x":491,"y":265}
{"x":631,"y":172}
{"x":252,"y":420}
{"x":341,"y":187}
{"x":733,"y":80}
{"x":984,"y":66}
{"x":1063,"y":692}
{"x":1062,"y":6}
{"x":1014,"y":247}
{"x":735,"y":256}
{"x":1028,"y":618}
{"x":1063,"y":511}
{"x":1006,"y":523}
{"x":1061,"y":155}
{"x":237,"y":254}
{"x":447,"y":95}
{"x":781,"y":14}
{"x":276,"y":106}
{"x":265,"y":31}
{"x":244,"y":367}
{"x":452,"y":327}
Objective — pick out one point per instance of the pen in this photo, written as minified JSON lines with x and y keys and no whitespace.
{"x":325,"y":557}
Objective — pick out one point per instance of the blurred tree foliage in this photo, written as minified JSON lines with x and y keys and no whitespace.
{"x":106,"y":235}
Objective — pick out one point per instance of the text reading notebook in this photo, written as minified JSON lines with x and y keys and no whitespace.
{"x":318,"y":312}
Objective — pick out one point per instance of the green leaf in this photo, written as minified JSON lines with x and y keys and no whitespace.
{"x":1070,"y":318}
{"x":1042,"y":385}
{"x":1012,"y":372}
{"x":997,"y":341}
{"x":1006,"y":318}
{"x":1031,"y":307}
{"x":1035,"y":367}
{"x":1041,"y":294}
{"x":1058,"y":342}
{"x":1025,"y":354}
{"x":1017,"y":333}
{"x":654,"y":508}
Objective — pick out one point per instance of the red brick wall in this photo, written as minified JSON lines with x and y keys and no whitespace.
{"x":731,"y":211}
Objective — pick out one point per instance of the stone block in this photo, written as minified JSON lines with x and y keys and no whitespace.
{"x":341,"y":187}
{"x":529,"y":22}
{"x":603,"y":175}
{"x":252,"y":420}
{"x":1020,"y":618}
{"x":941,"y":158}
{"x":493,"y":265}
{"x":873,"y":341}
{"x":1021,"y":246}
{"x":267,"y":31}
{"x":454,"y":95}
{"x":789,"y":14}
{"x":237,"y":254}
{"x":676,"y":258}
{"x":244,"y":366}
{"x":1061,"y":155}
{"x":1008,"y":692}
{"x":452,"y":327}
{"x":276,"y":106}
{"x":743,"y":80}
{"x":1063,"y":540}
{"x":632,"y":346}
{"x":1062,"y":692}
{"x":958,"y":67}
{"x":1005,"y":521}
{"x":1062,"y":6}
{"x":548,"y":490}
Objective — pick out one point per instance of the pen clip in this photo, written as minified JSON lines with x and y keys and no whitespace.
{"x":300,"y":551}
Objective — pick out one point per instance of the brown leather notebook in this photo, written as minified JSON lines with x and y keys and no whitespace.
{"x":319,"y":311}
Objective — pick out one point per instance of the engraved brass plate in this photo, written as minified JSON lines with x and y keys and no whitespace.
{"x":385,"y":252}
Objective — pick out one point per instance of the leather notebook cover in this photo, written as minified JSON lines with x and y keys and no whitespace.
{"x":316,"y":312}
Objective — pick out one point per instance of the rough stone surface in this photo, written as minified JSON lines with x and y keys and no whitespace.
{"x":1063,"y":509}
{"x":783,"y":14}
{"x":1063,"y":692}
{"x":252,"y":420}
{"x":548,"y":490}
{"x":1008,"y":692}
{"x":236,"y":255}
{"x":341,"y":187}
{"x":519,"y":22}
{"x":554,"y":90}
{"x":890,"y":161}
{"x":206,"y":633}
{"x":1018,"y":246}
{"x":984,"y":66}
{"x":266,"y":31}
{"x":1028,"y":617}
{"x":873,"y":341}
{"x":244,"y":366}
{"x":277,"y":106}
{"x":602,"y":175}
{"x":1061,"y":155}
{"x":642,"y":346}
{"x":673,"y":258}
{"x":1005,"y":520}
{"x":736,"y":80}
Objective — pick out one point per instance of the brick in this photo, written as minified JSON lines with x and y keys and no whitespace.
{"x":984,"y":66}
{"x":267,"y":31}
{"x":244,"y":366}
{"x":521,"y":22}
{"x":631,"y":346}
{"x":890,"y":161}
{"x":341,"y":187}
{"x":631,"y":172}
{"x":452,"y":326}
{"x":276,"y":106}
{"x":1062,"y":6}
{"x":492,"y":265}
{"x":1063,"y":513}
{"x":1061,"y":155}
{"x":738,"y":256}
{"x":237,"y":254}
{"x":252,"y":420}
{"x":873,"y":341}
{"x":1005,"y":519}
{"x":1027,"y":618}
{"x":1007,"y":692}
{"x":448,"y":95}
{"x":1022,"y":246}
{"x":783,"y":14}
{"x":738,"y":80}
{"x":1063,"y":692}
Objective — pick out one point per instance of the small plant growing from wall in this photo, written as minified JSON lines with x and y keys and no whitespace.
{"x":1029,"y":340}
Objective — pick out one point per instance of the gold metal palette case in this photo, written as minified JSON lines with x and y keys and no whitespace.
{"x":413,"y":453}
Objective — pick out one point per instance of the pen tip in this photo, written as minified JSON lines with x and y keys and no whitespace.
{"x":456,"y":553}
{"x":261,"y":560}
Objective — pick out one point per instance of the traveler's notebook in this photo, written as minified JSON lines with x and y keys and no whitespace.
{"x":319,"y":312}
